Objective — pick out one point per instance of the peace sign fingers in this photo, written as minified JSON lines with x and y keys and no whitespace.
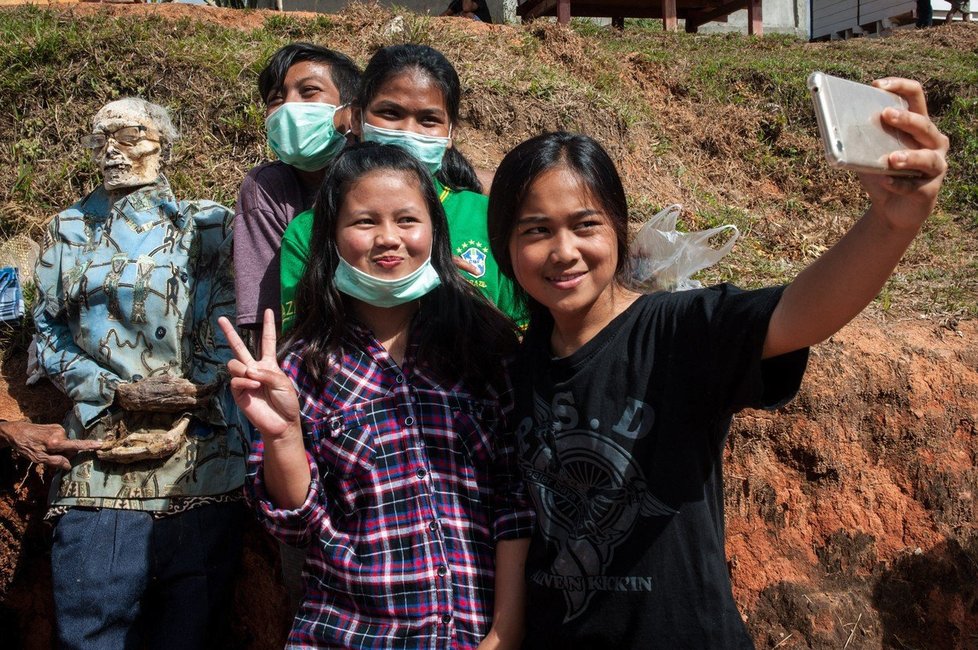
{"x":268,"y":339}
{"x":237,"y":346}
{"x":262,"y":391}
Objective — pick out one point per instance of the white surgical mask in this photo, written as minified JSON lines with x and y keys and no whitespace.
{"x":429,"y":149}
{"x":381,"y":292}
{"x":302,"y":134}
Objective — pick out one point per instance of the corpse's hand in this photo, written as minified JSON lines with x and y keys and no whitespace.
{"x":261,"y":390}
{"x":906,"y":202}
{"x":163,"y":394}
{"x":45,"y":444}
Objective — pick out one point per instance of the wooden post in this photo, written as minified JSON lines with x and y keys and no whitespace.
{"x":755,"y":22}
{"x":563,"y":11}
{"x":618,"y":22}
{"x":669,"y":21}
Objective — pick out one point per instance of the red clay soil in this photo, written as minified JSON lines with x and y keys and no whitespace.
{"x":850,"y":513}
{"x":260,"y":618}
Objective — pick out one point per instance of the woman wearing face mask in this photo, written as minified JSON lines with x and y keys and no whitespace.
{"x":384,"y":445}
{"x":306,"y":90}
{"x":409,"y":97}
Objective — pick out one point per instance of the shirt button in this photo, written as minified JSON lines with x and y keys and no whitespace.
{"x":409,"y":420}
{"x":446,"y":618}
{"x":433,"y":526}
{"x":421,"y":472}
{"x":400,"y":379}
{"x":442,"y":570}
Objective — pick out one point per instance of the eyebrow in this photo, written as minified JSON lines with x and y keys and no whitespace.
{"x":535,"y":218}
{"x":428,"y":110}
{"x":374,"y":213}
{"x":309,"y":78}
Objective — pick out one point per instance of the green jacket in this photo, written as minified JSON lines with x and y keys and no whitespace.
{"x":466,"y":212}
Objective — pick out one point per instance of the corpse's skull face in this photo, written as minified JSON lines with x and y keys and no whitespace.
{"x":134,"y":158}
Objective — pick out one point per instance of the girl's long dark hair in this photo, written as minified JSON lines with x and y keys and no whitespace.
{"x":456,"y":172}
{"x":517,"y":172}
{"x":462,"y":336}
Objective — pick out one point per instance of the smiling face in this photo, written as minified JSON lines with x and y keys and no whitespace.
{"x":564,"y":247}
{"x":383,"y":227}
{"x":409,"y":101}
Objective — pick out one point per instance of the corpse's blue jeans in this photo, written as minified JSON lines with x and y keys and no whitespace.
{"x":124,"y":580}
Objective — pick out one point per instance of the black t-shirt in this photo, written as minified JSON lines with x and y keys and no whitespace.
{"x":621,"y":446}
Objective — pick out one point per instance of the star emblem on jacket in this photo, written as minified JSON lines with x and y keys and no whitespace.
{"x":474,"y":253}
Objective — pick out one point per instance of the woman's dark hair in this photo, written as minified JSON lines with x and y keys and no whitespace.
{"x":343,"y":72}
{"x":456,"y":172}
{"x":461,"y":335}
{"x":482,"y":11}
{"x":523,"y":165}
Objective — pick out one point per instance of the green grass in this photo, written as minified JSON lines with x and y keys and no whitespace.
{"x":721,"y":123}
{"x":958,"y":123}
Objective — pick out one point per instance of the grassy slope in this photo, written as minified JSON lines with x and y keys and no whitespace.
{"x":721,"y":123}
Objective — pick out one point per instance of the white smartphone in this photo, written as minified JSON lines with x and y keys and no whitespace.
{"x":848,"y":115}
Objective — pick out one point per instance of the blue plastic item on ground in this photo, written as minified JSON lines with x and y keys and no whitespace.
{"x":11,"y":296}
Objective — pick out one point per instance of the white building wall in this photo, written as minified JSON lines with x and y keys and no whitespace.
{"x":779,"y":17}
{"x":831,"y":17}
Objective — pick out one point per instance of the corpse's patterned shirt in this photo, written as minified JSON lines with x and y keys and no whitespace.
{"x":413,"y":482}
{"x":132,"y":287}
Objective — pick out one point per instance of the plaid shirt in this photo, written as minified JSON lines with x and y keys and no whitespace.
{"x":413,"y":482}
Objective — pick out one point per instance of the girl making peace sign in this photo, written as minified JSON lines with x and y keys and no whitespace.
{"x":383,"y":441}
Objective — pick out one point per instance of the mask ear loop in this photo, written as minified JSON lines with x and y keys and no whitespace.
{"x":338,"y":109}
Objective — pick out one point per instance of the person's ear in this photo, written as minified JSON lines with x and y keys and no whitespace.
{"x":342,"y":120}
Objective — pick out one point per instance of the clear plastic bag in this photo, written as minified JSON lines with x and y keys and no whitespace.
{"x":661,"y":258}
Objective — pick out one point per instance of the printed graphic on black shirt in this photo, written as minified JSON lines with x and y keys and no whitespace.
{"x":589,"y":494}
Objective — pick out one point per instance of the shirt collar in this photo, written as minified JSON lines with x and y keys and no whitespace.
{"x":442,"y":191}
{"x":148,"y":197}
{"x":363,"y":338}
{"x":140,"y":199}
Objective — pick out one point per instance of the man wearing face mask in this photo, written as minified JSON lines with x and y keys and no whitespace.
{"x":306,"y":90}
{"x":147,"y":531}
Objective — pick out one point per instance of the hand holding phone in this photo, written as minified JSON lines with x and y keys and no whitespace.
{"x":854,"y":136}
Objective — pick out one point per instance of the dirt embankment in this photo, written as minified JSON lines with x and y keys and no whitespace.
{"x":850,"y":513}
